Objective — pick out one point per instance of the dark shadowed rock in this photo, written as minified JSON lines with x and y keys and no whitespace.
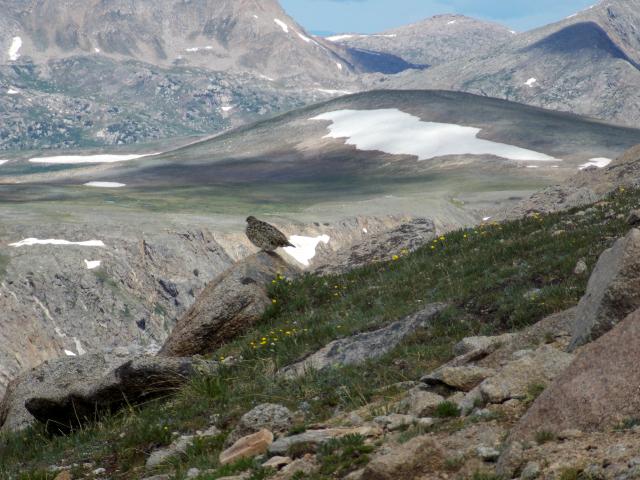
{"x":364,"y":346}
{"x":67,"y":392}
{"x":598,"y":391}
{"x":612,"y":293}
{"x":227,"y":306}
{"x":379,"y":247}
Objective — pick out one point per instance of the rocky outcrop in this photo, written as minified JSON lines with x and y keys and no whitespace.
{"x":364,"y":346}
{"x":228,"y":305}
{"x":612,"y":293}
{"x":599,"y":390}
{"x":380,"y":247}
{"x":67,"y":392}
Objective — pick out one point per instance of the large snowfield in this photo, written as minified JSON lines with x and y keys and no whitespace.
{"x":399,"y":133}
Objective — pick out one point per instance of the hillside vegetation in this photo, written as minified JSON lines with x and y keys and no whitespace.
{"x":495,"y":278}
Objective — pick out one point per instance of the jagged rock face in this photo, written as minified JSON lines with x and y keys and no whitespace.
{"x":586,"y":64}
{"x":433,"y":41}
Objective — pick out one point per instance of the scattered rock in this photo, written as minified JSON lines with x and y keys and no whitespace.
{"x":516,"y":377}
{"x":232,"y":302}
{"x":581,"y":268}
{"x":488,"y":454}
{"x":415,"y":459}
{"x":305,"y":465}
{"x":99,"y":471}
{"x":277,"y":462}
{"x":462,"y":378}
{"x":364,"y":346}
{"x":396,"y":421}
{"x":531,"y":471}
{"x":247,"y":447}
{"x":193,"y":472}
{"x":420,"y":403}
{"x":633,"y":219}
{"x":273,"y":417}
{"x":612,"y":293}
{"x":177,"y":448}
{"x":481,"y":344}
{"x":67,"y":391}
{"x":318,"y":437}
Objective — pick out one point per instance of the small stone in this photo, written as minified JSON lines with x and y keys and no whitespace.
{"x":247,"y":447}
{"x":581,"y":268}
{"x":395,"y":421}
{"x":305,"y":465}
{"x":193,"y":472}
{"x":462,"y":378}
{"x":420,"y":403}
{"x":570,"y":434}
{"x":176,"y":449}
{"x":633,"y":219}
{"x":270,"y":416}
{"x":355,"y":419}
{"x":488,"y":454}
{"x":531,"y":471}
{"x":99,"y":471}
{"x":277,"y":462}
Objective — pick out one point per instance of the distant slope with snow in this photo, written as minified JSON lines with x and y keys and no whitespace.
{"x":433,"y":41}
{"x":588,"y":63}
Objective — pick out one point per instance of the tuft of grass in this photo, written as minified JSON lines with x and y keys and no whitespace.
{"x":341,"y":456}
{"x":534,"y":390}
{"x":447,"y":410}
{"x":570,"y":474}
{"x":544,"y":436}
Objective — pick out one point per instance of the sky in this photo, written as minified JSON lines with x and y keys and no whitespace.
{"x":370,"y":16}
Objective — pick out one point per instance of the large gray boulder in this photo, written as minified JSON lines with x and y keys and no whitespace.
{"x":230,"y":304}
{"x":378,"y":247}
{"x":364,"y":346}
{"x":597,"y":392}
{"x":612,"y":293}
{"x":67,"y":392}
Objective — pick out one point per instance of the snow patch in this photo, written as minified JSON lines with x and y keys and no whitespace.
{"x":305,"y":247}
{"x":226,"y":109}
{"x":529,"y":83}
{"x":451,"y":22}
{"x":14,"y":49}
{"x":399,"y":133}
{"x":73,"y":159}
{"x":486,"y":219}
{"x":337,"y":38}
{"x":266,"y":78}
{"x":197,"y":49}
{"x":105,"y":184}
{"x":97,"y":50}
{"x":282,"y":25}
{"x":596,"y":162}
{"x":69,"y":353}
{"x":339,"y":65}
{"x":79,"y":349}
{"x":12,"y":91}
{"x":28,"y":242}
{"x":364,"y":230}
{"x":92,"y":264}
{"x":334,"y":92}
{"x":3,"y":161}
{"x":304,"y":37}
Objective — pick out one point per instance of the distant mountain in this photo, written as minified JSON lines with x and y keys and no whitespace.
{"x":587,"y":64}
{"x":94,"y":72}
{"x":433,"y":41}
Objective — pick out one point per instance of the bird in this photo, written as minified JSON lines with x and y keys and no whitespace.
{"x":264,"y":236}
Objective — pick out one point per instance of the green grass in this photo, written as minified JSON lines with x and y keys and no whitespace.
{"x":447,"y":410}
{"x":484,"y":275}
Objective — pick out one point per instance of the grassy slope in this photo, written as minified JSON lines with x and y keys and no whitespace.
{"x":496,"y":278}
